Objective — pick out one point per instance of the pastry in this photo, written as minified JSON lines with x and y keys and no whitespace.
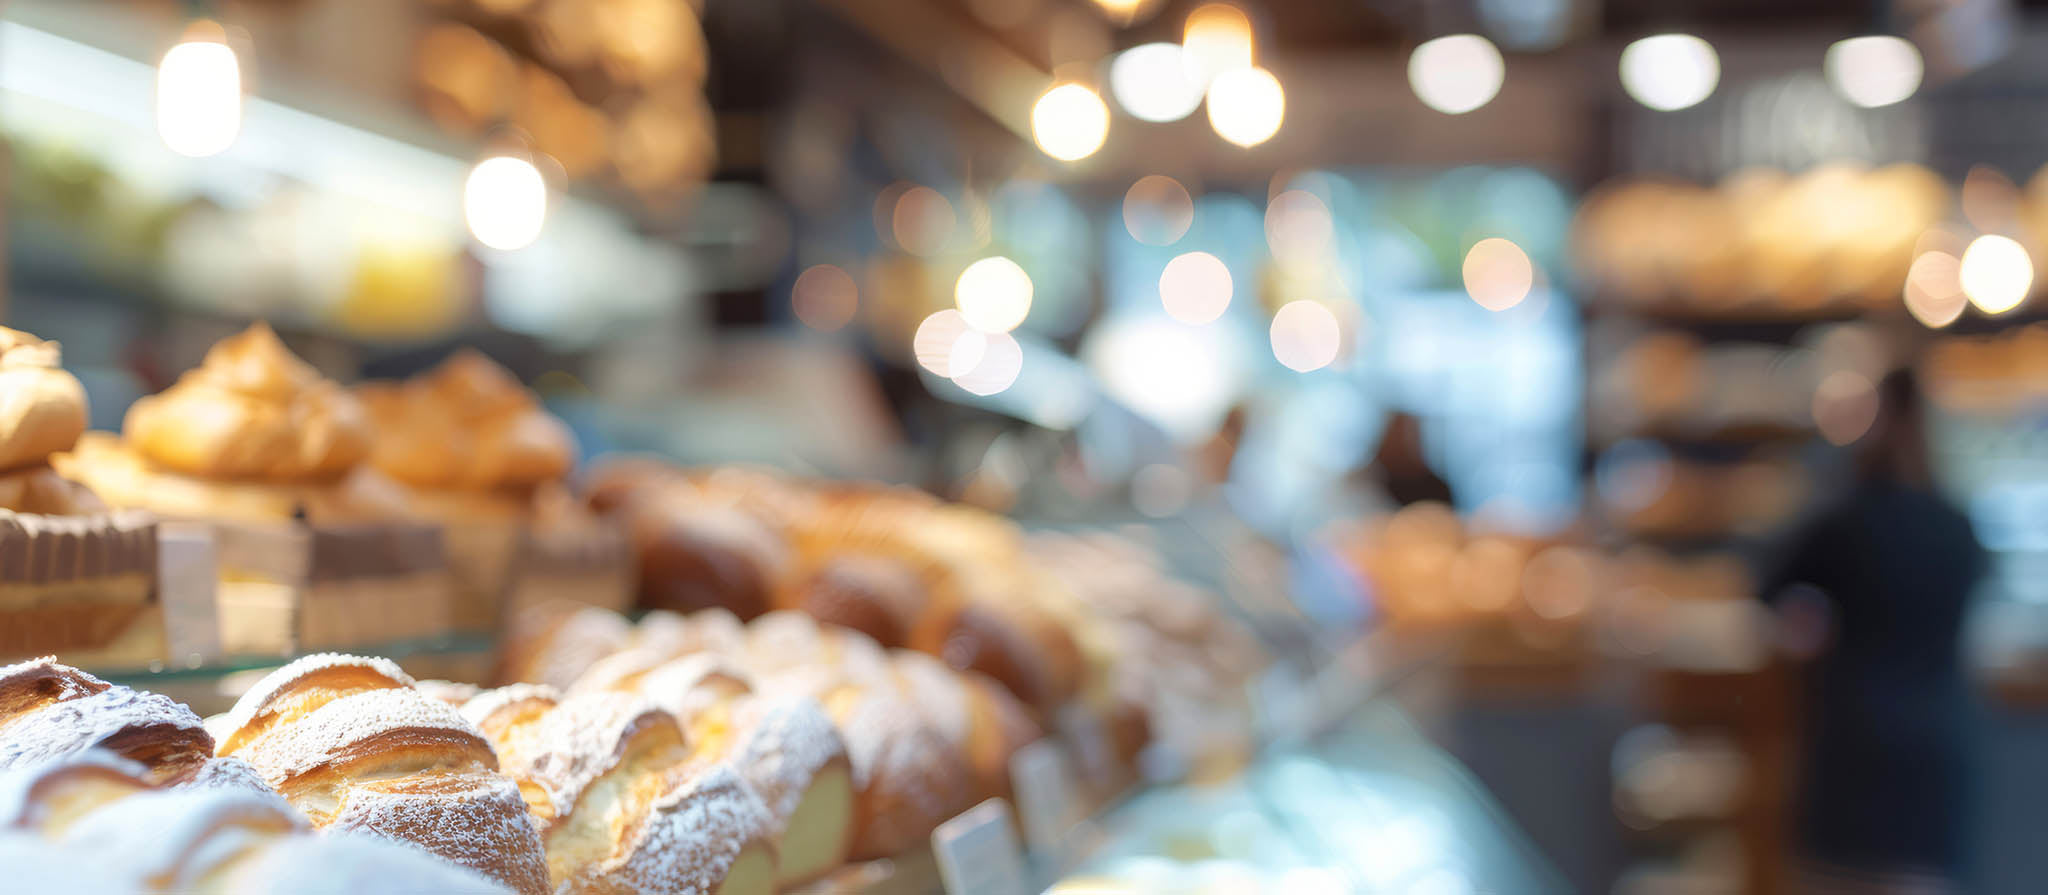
{"x":43,"y":411}
{"x":353,"y":746}
{"x":50,"y":712}
{"x":96,"y":810}
{"x":608,"y":778}
{"x":554,"y":643}
{"x":978,"y":718}
{"x":466,"y":426}
{"x":251,"y":410}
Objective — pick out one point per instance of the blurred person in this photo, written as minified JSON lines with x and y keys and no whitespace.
{"x":1403,"y":467}
{"x":1883,"y":788}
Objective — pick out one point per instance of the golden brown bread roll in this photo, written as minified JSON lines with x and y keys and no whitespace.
{"x":41,"y":491}
{"x":97,"y":809}
{"x":977,"y":717}
{"x":351,"y":744}
{"x":124,"y":478}
{"x":695,"y":556}
{"x":251,"y":410}
{"x":50,"y":712}
{"x":42,"y":407}
{"x":466,"y":425}
{"x":607,"y":775}
{"x":874,"y":595}
{"x":553,"y":643}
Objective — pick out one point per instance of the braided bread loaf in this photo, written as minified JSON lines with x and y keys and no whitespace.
{"x":50,"y":712}
{"x":352,"y":745}
{"x":622,"y":808}
{"x":96,"y":810}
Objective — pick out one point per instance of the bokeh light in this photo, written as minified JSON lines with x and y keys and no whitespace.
{"x":991,"y":367}
{"x":994,"y":294}
{"x":1670,"y":71}
{"x":1299,"y":228}
{"x":1195,"y":288}
{"x":1498,"y":274}
{"x":922,"y":221}
{"x":1152,"y":82}
{"x":1246,"y":106}
{"x":1995,"y":273}
{"x":1305,"y":336}
{"x":199,"y":94}
{"x":943,"y":335}
{"x":1934,"y":289}
{"x":1876,"y":70}
{"x":824,"y":297}
{"x":1844,"y":406}
{"x":1217,"y":39}
{"x":505,"y":201}
{"x":1070,"y":122}
{"x":1158,"y":210}
{"x":1558,"y":583}
{"x":1456,"y":73}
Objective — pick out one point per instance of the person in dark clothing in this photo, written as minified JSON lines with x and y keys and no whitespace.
{"x":1402,"y":466}
{"x":1882,"y":800}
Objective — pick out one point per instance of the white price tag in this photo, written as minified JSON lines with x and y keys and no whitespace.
{"x":1046,"y":802}
{"x":978,"y":854}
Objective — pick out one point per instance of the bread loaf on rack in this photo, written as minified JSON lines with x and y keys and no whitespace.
{"x":622,"y":809}
{"x":353,"y":746}
{"x":97,"y":811}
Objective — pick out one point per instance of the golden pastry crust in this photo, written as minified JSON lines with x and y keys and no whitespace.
{"x":251,"y":410}
{"x":42,"y":408}
{"x":466,"y":425}
{"x":349,"y":742}
{"x":122,"y":477}
{"x":50,"y":711}
{"x":41,"y":491}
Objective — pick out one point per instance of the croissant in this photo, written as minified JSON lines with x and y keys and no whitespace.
{"x":96,"y":811}
{"x":349,"y":742}
{"x":608,"y":778}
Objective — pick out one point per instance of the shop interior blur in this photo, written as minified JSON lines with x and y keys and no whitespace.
{"x":1404,"y":412}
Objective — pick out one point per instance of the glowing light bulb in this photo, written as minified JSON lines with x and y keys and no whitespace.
{"x":1670,"y":71}
{"x":1456,"y":74}
{"x":1070,"y":122}
{"x":1151,"y":81}
{"x":199,"y":94}
{"x":1195,"y":288}
{"x":1498,"y":274}
{"x":505,"y":201}
{"x":1996,"y":273}
{"x":1305,"y":336}
{"x":1246,"y":106}
{"x":994,"y":294}
{"x":1217,"y":39}
{"x":1876,"y":70}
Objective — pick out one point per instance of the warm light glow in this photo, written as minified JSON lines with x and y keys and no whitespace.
{"x":1844,"y":406}
{"x":1456,"y":74}
{"x":994,"y":294}
{"x":1873,"y":71}
{"x":945,"y":337}
{"x":1670,"y":71}
{"x":1151,"y":81}
{"x":1246,"y":106}
{"x":1218,"y":38}
{"x":1498,"y":274}
{"x":199,"y":98}
{"x":1195,"y":288}
{"x":992,"y":366}
{"x":1305,"y":336}
{"x":1070,"y":122}
{"x":1996,"y":273}
{"x":1934,"y":289}
{"x":1158,"y":210}
{"x":824,"y":298}
{"x":505,"y":201}
{"x":922,"y":221}
{"x":1299,"y":229}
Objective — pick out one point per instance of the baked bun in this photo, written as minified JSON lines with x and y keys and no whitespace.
{"x":124,"y":478}
{"x":354,"y":747}
{"x":671,"y":634}
{"x":50,"y":712}
{"x":39,"y":490}
{"x":251,"y":410}
{"x":466,"y":425}
{"x":607,"y":776}
{"x":906,"y":777}
{"x":874,"y":595}
{"x":977,"y":717}
{"x":787,"y":749}
{"x":695,"y":556}
{"x":553,"y":643}
{"x":44,"y":408}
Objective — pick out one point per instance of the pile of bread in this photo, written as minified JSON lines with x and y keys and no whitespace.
{"x":1836,"y":238}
